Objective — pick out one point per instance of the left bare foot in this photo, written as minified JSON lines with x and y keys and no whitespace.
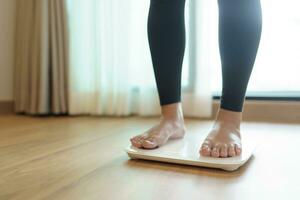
{"x":224,"y":140}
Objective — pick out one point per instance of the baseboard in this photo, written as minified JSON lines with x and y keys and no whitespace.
{"x":267,"y":110}
{"x":254,"y":110}
{"x":6,"y":107}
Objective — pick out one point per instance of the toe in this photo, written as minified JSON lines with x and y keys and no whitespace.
{"x":238,"y":149}
{"x":223,"y":151}
{"x":149,"y":143}
{"x":205,"y":150}
{"x":215,"y":152}
{"x":231,"y":150}
{"x":134,"y":139}
{"x":136,"y":142}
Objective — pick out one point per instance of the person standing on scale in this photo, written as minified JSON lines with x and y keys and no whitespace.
{"x":240,"y":25}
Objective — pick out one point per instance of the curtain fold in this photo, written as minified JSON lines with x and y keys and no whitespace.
{"x":110,"y":63}
{"x":41,"y":66}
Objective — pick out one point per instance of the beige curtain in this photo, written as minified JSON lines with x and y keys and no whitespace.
{"x":41,"y":67}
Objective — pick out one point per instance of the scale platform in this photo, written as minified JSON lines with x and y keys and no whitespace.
{"x":185,"y":152}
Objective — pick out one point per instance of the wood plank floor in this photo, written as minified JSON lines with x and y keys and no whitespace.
{"x":82,"y":158}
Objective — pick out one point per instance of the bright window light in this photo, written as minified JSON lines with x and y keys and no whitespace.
{"x":277,"y":66}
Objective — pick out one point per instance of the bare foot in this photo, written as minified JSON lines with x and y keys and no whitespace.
{"x":224,"y":140}
{"x":171,"y":126}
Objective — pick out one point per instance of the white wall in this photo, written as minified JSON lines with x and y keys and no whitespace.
{"x":7,"y":29}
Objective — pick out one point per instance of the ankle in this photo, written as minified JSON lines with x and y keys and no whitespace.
{"x":229,"y":118}
{"x":172,"y":112}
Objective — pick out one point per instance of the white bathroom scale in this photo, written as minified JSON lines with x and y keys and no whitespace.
{"x":186,"y":152}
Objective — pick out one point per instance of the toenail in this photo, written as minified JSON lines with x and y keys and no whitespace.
{"x":205,"y":147}
{"x":149,"y":142}
{"x":215,"y":151}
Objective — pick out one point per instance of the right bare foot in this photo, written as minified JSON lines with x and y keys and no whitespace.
{"x":171,"y":126}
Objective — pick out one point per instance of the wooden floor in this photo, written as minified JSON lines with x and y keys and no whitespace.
{"x":82,"y":158}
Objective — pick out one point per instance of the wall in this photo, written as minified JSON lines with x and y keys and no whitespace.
{"x":7,"y":29}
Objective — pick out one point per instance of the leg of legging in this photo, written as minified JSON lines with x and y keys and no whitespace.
{"x":166,"y":35}
{"x":240,"y":23}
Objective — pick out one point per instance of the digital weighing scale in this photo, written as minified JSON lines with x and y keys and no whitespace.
{"x":186,"y":152}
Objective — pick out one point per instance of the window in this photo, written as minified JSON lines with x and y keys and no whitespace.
{"x":277,"y":68}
